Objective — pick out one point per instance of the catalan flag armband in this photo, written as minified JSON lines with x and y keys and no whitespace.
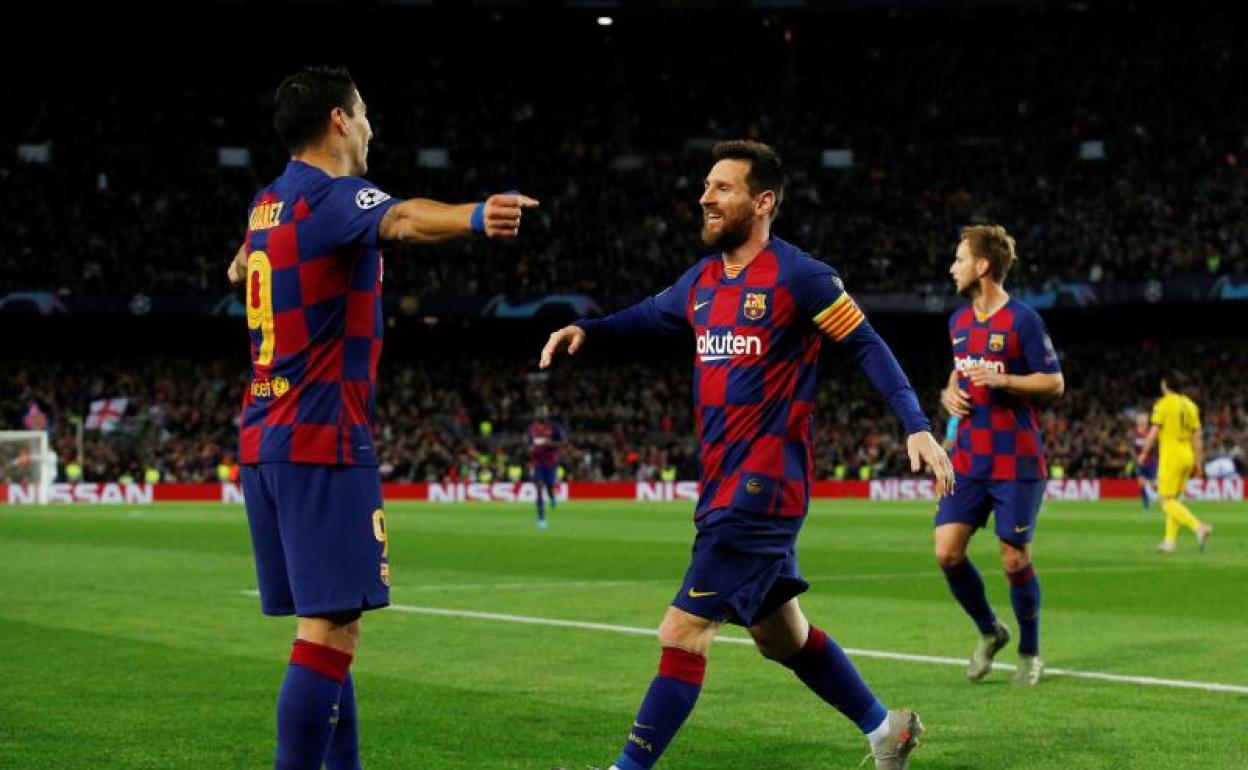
{"x":840,"y":318}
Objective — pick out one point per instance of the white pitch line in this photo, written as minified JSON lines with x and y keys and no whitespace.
{"x":564,"y":585}
{"x":880,"y":654}
{"x":536,"y":585}
{"x":1150,"y":681}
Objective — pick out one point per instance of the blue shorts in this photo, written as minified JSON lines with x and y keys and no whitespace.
{"x":545,"y":476}
{"x":320,"y":537}
{"x":743,"y":567}
{"x":1014,"y":505}
{"x":1148,"y":472}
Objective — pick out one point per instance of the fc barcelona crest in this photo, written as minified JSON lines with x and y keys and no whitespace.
{"x":996,"y":342}
{"x":755,"y":305}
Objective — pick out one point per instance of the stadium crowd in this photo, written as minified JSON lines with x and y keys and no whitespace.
{"x":941,"y":134}
{"x":463,"y":419}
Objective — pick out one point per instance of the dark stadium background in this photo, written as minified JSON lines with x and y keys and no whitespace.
{"x":955,"y":112}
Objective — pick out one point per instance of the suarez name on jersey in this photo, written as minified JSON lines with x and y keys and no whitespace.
{"x":1001,"y":438}
{"x":314,"y":314}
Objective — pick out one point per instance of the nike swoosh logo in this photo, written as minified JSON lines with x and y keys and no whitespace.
{"x":701,"y":305}
{"x":699,"y":594}
{"x":640,"y":726}
{"x":956,"y":340}
{"x":1021,"y":530}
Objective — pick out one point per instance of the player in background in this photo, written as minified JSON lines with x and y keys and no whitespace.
{"x":1176,"y":432}
{"x":1146,"y":468}
{"x":759,"y":309}
{"x":312,"y":273}
{"x":1003,"y":361}
{"x":545,"y":437}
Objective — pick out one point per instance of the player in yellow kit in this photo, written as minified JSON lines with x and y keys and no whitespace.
{"x":1176,"y":430}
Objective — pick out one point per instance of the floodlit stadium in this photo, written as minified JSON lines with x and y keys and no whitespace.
{"x":623,"y":385}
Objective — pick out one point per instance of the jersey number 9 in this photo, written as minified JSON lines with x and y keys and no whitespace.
{"x":260,"y":304}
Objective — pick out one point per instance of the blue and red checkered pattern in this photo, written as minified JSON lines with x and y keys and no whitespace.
{"x":757,"y":337}
{"x":755,"y":375}
{"x":545,"y":437}
{"x":314,"y":309}
{"x":1001,"y":438}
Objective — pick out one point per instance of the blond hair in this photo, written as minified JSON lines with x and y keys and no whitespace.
{"x":993,"y":243}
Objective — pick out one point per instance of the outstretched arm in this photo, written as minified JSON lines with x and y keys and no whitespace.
{"x":420,"y":220}
{"x":877,"y":361}
{"x":646,"y":317}
{"x":664,"y":313}
{"x":820,"y":292}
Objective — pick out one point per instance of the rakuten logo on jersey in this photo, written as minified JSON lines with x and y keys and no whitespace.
{"x":963,"y":363}
{"x":721,"y":346}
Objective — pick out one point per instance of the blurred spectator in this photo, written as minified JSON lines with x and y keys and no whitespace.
{"x":627,"y":419}
{"x":945,"y":130}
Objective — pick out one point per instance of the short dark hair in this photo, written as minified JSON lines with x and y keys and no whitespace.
{"x":305,"y":99}
{"x":766,"y":169}
{"x":1175,"y":380}
{"x":995,"y":244}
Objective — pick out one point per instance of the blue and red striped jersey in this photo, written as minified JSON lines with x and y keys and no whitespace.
{"x":757,"y":336}
{"x":545,"y":437}
{"x":1001,"y":438}
{"x":314,"y":314}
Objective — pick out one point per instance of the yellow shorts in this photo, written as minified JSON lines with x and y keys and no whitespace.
{"x":1172,"y":475}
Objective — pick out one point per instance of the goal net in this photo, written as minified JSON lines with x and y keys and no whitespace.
{"x":26,"y":460}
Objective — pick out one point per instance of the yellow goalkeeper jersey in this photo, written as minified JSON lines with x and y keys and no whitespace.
{"x":1179,"y":419}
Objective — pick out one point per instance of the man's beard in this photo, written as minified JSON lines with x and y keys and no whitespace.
{"x":732,"y":233}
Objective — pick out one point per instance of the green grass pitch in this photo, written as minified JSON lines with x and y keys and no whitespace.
{"x":128,"y":640}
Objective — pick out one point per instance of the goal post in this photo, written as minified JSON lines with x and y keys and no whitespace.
{"x":26,"y":460}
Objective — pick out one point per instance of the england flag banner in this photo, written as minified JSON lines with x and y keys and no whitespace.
{"x":106,"y":413}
